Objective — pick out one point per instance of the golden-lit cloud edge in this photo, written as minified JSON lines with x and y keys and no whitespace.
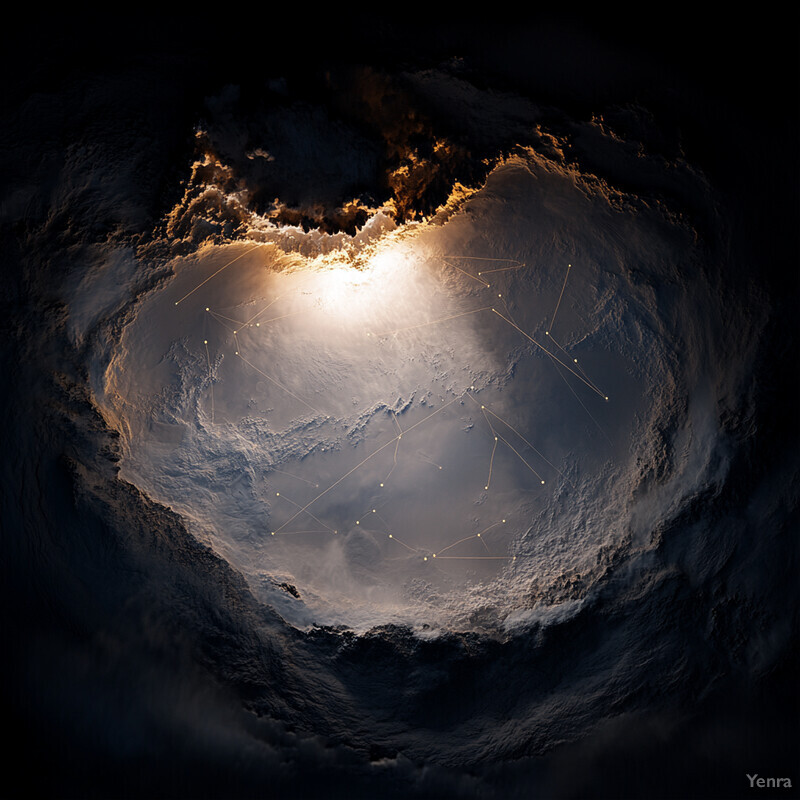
{"x":216,"y":209}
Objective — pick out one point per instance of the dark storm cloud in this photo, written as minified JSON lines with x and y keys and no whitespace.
{"x":100,"y":710}
{"x":361,"y":140}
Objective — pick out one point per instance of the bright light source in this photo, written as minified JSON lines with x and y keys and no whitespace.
{"x":360,"y":293}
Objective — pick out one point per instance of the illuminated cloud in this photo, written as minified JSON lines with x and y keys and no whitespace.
{"x":410,"y":423}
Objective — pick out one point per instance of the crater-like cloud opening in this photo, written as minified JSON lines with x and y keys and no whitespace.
{"x":435,"y":423}
{"x":418,"y":430}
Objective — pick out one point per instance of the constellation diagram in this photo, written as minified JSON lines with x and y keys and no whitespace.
{"x":306,"y":511}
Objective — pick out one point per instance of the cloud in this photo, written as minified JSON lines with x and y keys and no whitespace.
{"x":407,"y":143}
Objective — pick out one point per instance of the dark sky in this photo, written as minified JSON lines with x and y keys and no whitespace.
{"x":728,"y":83}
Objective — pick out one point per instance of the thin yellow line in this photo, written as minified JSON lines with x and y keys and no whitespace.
{"x":283,"y":316}
{"x":491,"y":463}
{"x":487,"y":285}
{"x":476,"y":558}
{"x":473,"y":536}
{"x":371,"y":511}
{"x":272,"y":302}
{"x":408,"y":547}
{"x":550,"y":336}
{"x":305,"y":480}
{"x":394,"y":417}
{"x":535,"y":450}
{"x":599,"y":427}
{"x":395,"y":460}
{"x":427,"y":460}
{"x":297,"y":505}
{"x":373,"y":453}
{"x":220,"y":322}
{"x":266,"y":307}
{"x":502,"y":269}
{"x":219,"y":316}
{"x":278,"y":384}
{"x":575,"y":361}
{"x":482,"y":258}
{"x":433,"y":322}
{"x":523,"y":460}
{"x":465,"y":539}
{"x":569,"y":266}
{"x":210,"y":380}
{"x":446,"y":258}
{"x":434,"y":413}
{"x":217,"y":273}
{"x":494,"y":525}
{"x":549,"y":354}
{"x":378,"y":515}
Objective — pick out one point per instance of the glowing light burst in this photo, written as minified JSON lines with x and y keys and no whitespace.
{"x":356,"y":294}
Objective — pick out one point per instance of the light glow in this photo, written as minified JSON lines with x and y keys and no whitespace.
{"x":357,"y":399}
{"x":354,"y":293}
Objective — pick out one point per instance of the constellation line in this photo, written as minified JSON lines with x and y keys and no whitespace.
{"x":545,"y":350}
{"x":203,"y":283}
{"x":316,"y":411}
{"x":364,"y":461}
{"x":535,"y":450}
{"x":575,"y":360}
{"x":210,"y":379}
{"x":569,"y":267}
{"x":433,"y":322}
